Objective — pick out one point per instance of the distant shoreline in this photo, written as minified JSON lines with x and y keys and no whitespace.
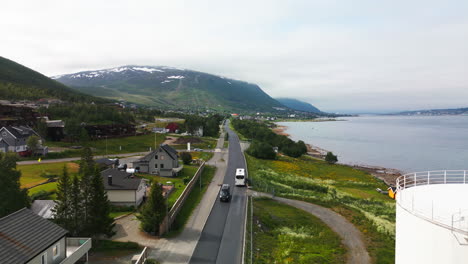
{"x":387,"y":175}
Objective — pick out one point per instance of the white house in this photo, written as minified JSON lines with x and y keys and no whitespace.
{"x":14,"y":139}
{"x":123,"y":189}
{"x":27,"y":238}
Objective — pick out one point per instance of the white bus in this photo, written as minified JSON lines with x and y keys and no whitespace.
{"x":240,"y":177}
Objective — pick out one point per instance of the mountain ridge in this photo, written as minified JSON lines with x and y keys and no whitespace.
{"x":298,"y":105}
{"x":171,"y":87}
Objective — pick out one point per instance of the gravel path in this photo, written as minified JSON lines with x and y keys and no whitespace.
{"x":350,"y":235}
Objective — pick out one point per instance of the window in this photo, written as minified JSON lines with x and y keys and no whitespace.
{"x":44,"y":258}
{"x":156,"y":165}
{"x":162,"y":157}
{"x":55,"y":251}
{"x":162,"y":166}
{"x":155,"y":156}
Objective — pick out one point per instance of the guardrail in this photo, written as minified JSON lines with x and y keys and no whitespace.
{"x":432,"y":177}
{"x":141,"y":258}
{"x":170,"y":217}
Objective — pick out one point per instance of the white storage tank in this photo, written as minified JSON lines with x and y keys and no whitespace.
{"x":432,"y":218}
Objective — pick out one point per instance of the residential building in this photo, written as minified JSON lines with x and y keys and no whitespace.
{"x":172,"y":128}
{"x":106,"y":163}
{"x":163,"y":161}
{"x":123,"y":189}
{"x":26,"y":238}
{"x":14,"y":139}
{"x":159,"y":130}
{"x":43,"y":208}
{"x":55,"y":129}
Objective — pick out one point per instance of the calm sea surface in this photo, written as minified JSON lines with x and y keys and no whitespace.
{"x":408,"y":143}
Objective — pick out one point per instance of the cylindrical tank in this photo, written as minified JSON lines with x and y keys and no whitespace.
{"x":432,"y":218}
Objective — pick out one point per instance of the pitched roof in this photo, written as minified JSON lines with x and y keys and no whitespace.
{"x":20,"y":131}
{"x":43,"y":208}
{"x":166,"y":148}
{"x":105,"y":161}
{"x":121,"y":180}
{"x":170,"y":151}
{"x":24,"y":235}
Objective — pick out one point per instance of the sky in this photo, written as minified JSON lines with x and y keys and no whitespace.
{"x":360,"y":56}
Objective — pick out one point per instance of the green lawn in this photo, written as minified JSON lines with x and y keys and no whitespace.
{"x":206,"y":156}
{"x":192,"y":201}
{"x":178,"y":182}
{"x":113,"y":146}
{"x":34,"y":174}
{"x":284,"y":234}
{"x":48,"y":187}
{"x":344,"y":189}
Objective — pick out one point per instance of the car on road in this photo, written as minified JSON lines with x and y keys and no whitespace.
{"x":225,"y":193}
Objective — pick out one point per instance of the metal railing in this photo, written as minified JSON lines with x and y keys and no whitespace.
{"x":142,"y":257}
{"x":77,"y":247}
{"x":431,"y":177}
{"x":459,"y":221}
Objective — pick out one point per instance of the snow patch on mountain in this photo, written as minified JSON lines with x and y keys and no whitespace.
{"x":175,"y":77}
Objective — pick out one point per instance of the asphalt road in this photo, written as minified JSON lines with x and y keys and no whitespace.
{"x":222,"y":238}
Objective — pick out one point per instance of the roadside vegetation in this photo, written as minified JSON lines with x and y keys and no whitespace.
{"x":264,"y":139}
{"x":192,"y":201}
{"x":284,"y":234}
{"x":348,"y":191}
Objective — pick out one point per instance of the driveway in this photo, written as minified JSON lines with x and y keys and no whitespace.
{"x":350,"y":235}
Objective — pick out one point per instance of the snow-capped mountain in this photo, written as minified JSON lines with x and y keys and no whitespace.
{"x":170,"y":88}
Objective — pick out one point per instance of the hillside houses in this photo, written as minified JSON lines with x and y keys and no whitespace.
{"x":164,"y":161}
{"x":14,"y":139}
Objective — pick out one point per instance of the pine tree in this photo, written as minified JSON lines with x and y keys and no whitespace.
{"x":12,"y":197}
{"x":76,"y":209}
{"x":99,"y":219}
{"x":87,"y":161}
{"x":153,"y":211}
{"x":63,"y":207}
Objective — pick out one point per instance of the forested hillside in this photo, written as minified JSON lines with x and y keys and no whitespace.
{"x":18,"y":82}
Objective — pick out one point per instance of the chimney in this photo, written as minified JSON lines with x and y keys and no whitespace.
{"x":109,"y":179}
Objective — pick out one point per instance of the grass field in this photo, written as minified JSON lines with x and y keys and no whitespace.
{"x":34,"y":174}
{"x":206,"y":156}
{"x":178,"y":182}
{"x":284,"y":234}
{"x":346,"y":190}
{"x":192,"y":201}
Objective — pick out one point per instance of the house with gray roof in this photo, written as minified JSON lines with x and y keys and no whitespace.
{"x":14,"y":139}
{"x":124,"y":189}
{"x":43,"y":208}
{"x":26,"y":238}
{"x":164,"y":161}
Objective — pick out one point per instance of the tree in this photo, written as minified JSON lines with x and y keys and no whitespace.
{"x":99,"y":219}
{"x":12,"y":197}
{"x":76,"y":210}
{"x":87,"y":161}
{"x":41,"y":128}
{"x":186,"y":158}
{"x":63,"y":207}
{"x":153,"y":211}
{"x":330,"y":158}
{"x":84,"y":137}
{"x":261,"y":150}
{"x":33,"y":143}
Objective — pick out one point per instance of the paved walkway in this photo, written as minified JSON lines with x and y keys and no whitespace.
{"x":178,"y":249}
{"x":350,"y":235}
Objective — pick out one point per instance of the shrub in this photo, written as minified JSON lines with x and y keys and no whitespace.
{"x":187,"y":180}
{"x":330,"y":158}
{"x":41,"y":195}
{"x":261,"y":150}
{"x":186,"y":158}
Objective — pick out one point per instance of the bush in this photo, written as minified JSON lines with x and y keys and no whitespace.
{"x":108,"y":245}
{"x":187,"y":180}
{"x":186,"y":158}
{"x":330,"y":158}
{"x":261,"y":150}
{"x":41,"y":195}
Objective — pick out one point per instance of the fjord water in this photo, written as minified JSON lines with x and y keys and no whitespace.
{"x":407,"y":143}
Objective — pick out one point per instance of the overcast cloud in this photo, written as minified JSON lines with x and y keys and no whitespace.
{"x":356,"y":56}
